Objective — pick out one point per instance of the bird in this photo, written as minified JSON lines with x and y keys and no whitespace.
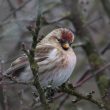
{"x":54,"y":56}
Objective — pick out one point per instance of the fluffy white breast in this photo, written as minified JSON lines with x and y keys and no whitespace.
{"x":65,"y":73}
{"x":56,"y":72}
{"x":52,"y":69}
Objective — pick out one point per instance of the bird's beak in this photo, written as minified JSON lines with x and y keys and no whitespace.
{"x":65,"y":46}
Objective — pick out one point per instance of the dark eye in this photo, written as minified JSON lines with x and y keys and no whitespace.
{"x":61,"y":41}
{"x":58,"y":40}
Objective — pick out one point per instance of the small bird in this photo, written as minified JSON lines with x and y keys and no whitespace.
{"x":54,"y":56}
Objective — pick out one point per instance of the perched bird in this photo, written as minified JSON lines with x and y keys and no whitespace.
{"x":55,"y":57}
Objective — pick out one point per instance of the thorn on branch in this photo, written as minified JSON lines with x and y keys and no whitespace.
{"x":23,"y":48}
{"x":31,"y":29}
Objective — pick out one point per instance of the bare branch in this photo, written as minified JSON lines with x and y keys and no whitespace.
{"x":13,"y":81}
{"x":14,"y":11}
{"x":33,"y":65}
{"x":81,"y":82}
{"x":11,"y":7}
{"x":92,"y":21}
{"x":80,"y":44}
{"x":71,"y":91}
{"x":106,"y":6}
{"x":105,"y":48}
{"x":63,"y":101}
{"x":3,"y":87}
{"x":94,"y":58}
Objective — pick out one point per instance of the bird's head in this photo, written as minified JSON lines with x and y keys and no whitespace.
{"x":62,"y":36}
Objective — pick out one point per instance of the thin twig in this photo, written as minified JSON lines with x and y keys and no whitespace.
{"x":57,"y":20}
{"x":17,"y":9}
{"x":71,"y":91}
{"x":1,"y":68}
{"x":80,"y":83}
{"x":17,"y":82}
{"x":13,"y":81}
{"x":105,"y":48}
{"x":11,"y":7}
{"x":84,"y":75}
{"x":92,"y":21}
{"x":63,"y":101}
{"x":78,"y":44}
{"x":5,"y":97}
{"x":3,"y":87}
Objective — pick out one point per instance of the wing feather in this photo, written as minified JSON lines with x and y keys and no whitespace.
{"x":20,"y":64}
{"x":51,"y":63}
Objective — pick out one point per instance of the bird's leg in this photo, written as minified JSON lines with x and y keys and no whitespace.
{"x":49,"y":93}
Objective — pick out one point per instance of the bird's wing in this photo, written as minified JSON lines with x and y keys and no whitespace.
{"x":17,"y":66}
{"x":42,"y":53}
{"x":46,"y":57}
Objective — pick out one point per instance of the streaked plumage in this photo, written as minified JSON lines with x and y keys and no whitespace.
{"x":56,"y":62}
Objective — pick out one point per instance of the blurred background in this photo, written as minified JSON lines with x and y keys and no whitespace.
{"x":16,"y":15}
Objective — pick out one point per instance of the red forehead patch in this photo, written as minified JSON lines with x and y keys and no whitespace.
{"x":66,"y":35}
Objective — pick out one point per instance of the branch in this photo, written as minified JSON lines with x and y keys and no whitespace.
{"x":107,"y":47}
{"x":63,"y":101}
{"x":66,"y":88}
{"x":13,"y":81}
{"x":33,"y":65}
{"x":92,"y":21}
{"x":106,"y":6}
{"x":91,"y":51}
{"x":1,"y":87}
{"x":15,"y":10}
{"x":80,"y":44}
{"x":11,"y":7}
{"x":82,"y":81}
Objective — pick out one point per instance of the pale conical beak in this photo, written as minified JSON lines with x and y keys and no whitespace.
{"x":65,"y":46}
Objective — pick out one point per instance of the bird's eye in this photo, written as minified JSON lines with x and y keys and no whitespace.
{"x":59,"y":40}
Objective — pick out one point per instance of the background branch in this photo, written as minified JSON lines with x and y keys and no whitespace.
{"x":91,"y":51}
{"x":15,"y":10}
{"x":90,"y":75}
{"x":107,"y":47}
{"x":106,"y":6}
{"x":63,"y":101}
